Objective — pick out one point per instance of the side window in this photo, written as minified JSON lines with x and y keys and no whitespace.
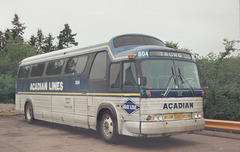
{"x":99,"y":66}
{"x":23,"y":72}
{"x":37,"y":70}
{"x":76,"y":64}
{"x":129,"y":75}
{"x":55,"y":67}
{"x":114,"y":80}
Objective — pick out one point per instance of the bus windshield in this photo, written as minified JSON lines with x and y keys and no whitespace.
{"x":159,"y":73}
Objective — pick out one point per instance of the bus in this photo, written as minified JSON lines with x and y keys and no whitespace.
{"x":132,"y":85}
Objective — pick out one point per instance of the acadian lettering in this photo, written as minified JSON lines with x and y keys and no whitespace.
{"x":178,"y":105}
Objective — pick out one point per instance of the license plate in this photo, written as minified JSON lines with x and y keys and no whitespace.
{"x":178,"y":116}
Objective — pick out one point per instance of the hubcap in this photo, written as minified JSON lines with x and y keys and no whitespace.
{"x":107,"y":126}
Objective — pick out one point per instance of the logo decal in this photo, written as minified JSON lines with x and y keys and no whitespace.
{"x":130,"y":107}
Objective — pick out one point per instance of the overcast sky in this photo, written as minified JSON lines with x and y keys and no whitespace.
{"x":200,"y":25}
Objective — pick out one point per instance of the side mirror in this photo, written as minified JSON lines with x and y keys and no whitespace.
{"x":142,"y":81}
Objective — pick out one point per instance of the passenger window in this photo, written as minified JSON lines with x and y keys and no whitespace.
{"x":37,"y":70}
{"x":23,"y":72}
{"x":55,"y":67}
{"x":114,"y":80}
{"x":76,"y":64}
{"x":129,"y":75}
{"x":99,"y":66}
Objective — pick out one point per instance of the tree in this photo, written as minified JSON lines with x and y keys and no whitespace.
{"x":66,"y":38}
{"x":39,"y":41}
{"x":219,"y":75}
{"x":17,"y":50}
{"x":172,"y":44}
{"x":32,"y":41}
{"x":18,"y":27}
{"x":48,"y":45}
{"x":1,"y":41}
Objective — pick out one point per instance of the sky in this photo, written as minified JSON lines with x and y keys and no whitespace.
{"x":199,"y":25}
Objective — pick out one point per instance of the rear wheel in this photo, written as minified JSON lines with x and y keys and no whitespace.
{"x":29,"y":113}
{"x":108,"y":127}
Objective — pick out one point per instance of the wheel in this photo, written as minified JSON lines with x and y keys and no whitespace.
{"x":29,"y":113}
{"x":108,"y":127}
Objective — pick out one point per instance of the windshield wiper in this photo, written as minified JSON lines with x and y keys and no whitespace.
{"x":184,"y":79}
{"x":170,"y":84}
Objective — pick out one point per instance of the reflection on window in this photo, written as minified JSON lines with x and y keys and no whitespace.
{"x":76,"y":64}
{"x":157,"y":72}
{"x":160,"y":72}
{"x":54,"y":67}
{"x":129,"y":75}
{"x":190,"y":74}
{"x":37,"y":70}
{"x":114,"y":81}
{"x":136,"y":40}
{"x":23,"y":72}
{"x":99,"y":66}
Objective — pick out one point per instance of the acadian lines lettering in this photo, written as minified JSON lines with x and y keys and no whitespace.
{"x":178,"y":105}
{"x":43,"y":86}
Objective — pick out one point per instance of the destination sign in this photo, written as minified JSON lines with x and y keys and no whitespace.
{"x":169,"y":54}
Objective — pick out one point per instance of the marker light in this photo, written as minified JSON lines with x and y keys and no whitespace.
{"x":149,"y":94}
{"x":149,"y":117}
{"x":131,"y":56}
{"x":203,"y":93}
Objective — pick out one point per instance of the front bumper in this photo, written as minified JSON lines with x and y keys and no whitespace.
{"x":151,"y":128}
{"x":155,"y":129}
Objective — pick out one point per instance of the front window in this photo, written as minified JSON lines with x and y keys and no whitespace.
{"x":161,"y":73}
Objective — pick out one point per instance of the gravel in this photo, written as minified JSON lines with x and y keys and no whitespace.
{"x":7,"y":109}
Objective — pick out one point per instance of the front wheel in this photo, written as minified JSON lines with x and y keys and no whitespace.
{"x":108,"y":127}
{"x":29,"y":113}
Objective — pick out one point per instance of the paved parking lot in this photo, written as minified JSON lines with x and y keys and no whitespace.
{"x":18,"y":136}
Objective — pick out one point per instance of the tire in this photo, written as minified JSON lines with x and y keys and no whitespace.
{"x":29,"y":113}
{"x":108,"y":127}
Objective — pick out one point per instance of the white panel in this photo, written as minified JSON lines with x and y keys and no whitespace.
{"x":63,"y":109}
{"x":81,"y":121}
{"x":81,"y":111}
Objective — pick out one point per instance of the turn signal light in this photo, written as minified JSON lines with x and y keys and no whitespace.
{"x":149,"y":94}
{"x":131,"y":56}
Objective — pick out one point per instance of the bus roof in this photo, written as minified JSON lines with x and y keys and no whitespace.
{"x":118,"y":48}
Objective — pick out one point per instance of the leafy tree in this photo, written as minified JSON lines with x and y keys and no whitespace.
{"x":66,"y":38}
{"x":172,"y":44}
{"x":219,"y":75}
{"x":32,"y":41}
{"x":48,"y":45}
{"x":39,"y":41}
{"x":18,"y":27}
{"x":1,"y":41}
{"x":17,"y":50}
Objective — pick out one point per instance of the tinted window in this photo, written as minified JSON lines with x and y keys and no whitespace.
{"x":114,"y":80}
{"x":136,"y":40}
{"x":55,"y":67}
{"x":24,"y":71}
{"x":37,"y":70}
{"x":76,"y":64}
{"x":98,"y":70}
{"x":129,"y":75}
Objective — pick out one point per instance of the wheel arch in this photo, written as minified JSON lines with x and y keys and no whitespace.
{"x":103,"y":107}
